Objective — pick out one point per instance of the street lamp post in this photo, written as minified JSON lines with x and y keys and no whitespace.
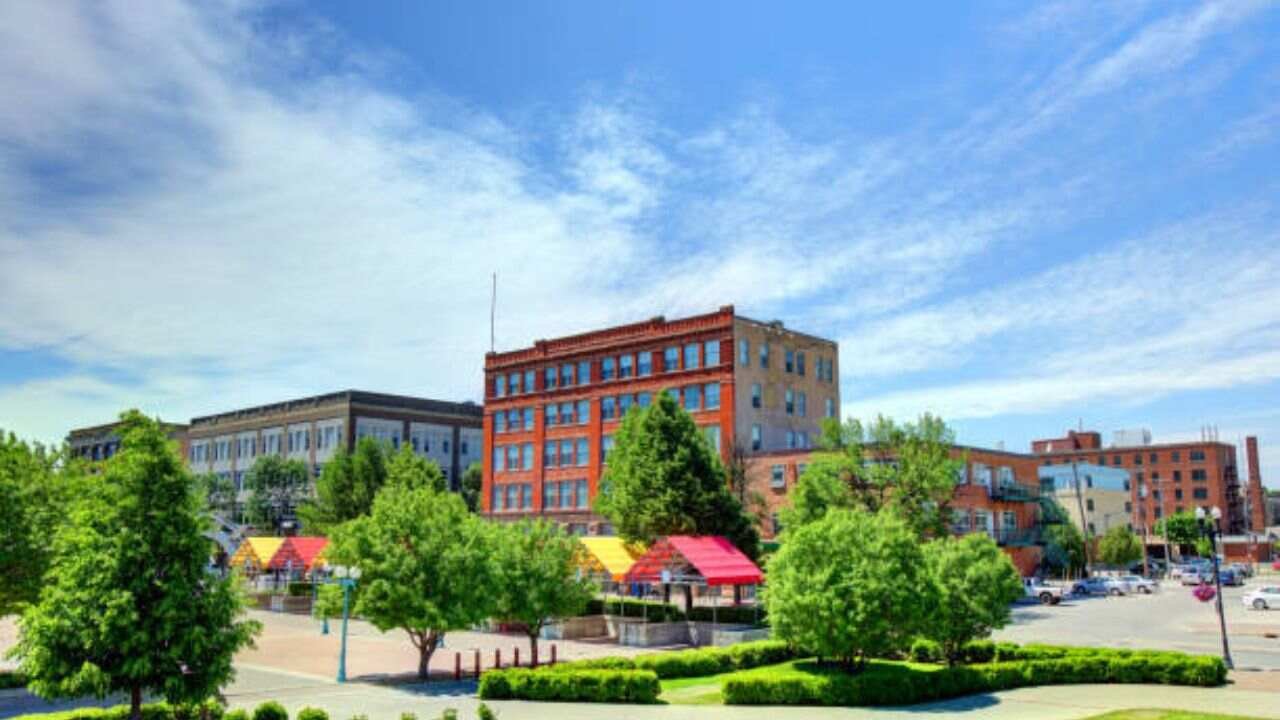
{"x":1208,"y":525}
{"x":347,"y":578}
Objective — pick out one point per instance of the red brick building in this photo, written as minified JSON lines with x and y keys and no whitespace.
{"x":551,"y":409}
{"x":996,"y":493}
{"x":1166,"y":478}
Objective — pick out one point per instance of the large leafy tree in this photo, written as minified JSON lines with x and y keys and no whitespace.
{"x":905,"y":468}
{"x":37,"y":487}
{"x":849,"y":586}
{"x":1180,"y":528}
{"x":1119,"y":546}
{"x":407,"y":468}
{"x":276,"y":487}
{"x":663,"y":478}
{"x":472,"y":486}
{"x":128,"y":605}
{"x":973,"y":584}
{"x":347,"y":486}
{"x":219,"y":493}
{"x":427,"y":565}
{"x":539,"y":576}
{"x":1064,"y":549}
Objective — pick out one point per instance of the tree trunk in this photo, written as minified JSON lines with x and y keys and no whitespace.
{"x":688,"y":600}
{"x":135,"y":702}
{"x":533,"y":646}
{"x":426,"y":648}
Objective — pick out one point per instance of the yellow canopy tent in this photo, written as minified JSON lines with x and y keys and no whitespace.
{"x":609,"y":556}
{"x":255,"y":553}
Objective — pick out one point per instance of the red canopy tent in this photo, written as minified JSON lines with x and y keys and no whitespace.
{"x":299,"y":553}
{"x":699,"y":560}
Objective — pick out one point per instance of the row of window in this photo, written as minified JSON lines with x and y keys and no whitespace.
{"x":963,"y":521}
{"x":575,"y":452}
{"x":556,"y":495}
{"x":793,"y":360}
{"x":981,"y":475}
{"x":689,"y":356}
{"x":567,"y":452}
{"x":693,"y":397}
{"x":510,"y":458}
{"x":1139,"y":458}
{"x":1197,"y":475}
{"x":795,"y":440}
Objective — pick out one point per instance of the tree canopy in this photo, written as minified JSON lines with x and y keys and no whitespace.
{"x":1064,"y":548}
{"x":37,"y":488}
{"x":905,"y":468}
{"x":276,"y":487}
{"x":128,"y":604}
{"x":471,"y":486}
{"x":538,"y":575}
{"x":1119,"y":546}
{"x":973,"y":584}
{"x":664,"y":478}
{"x":219,"y":493}
{"x":1179,"y":528}
{"x":427,"y":565}
{"x":848,"y":586}
{"x":346,"y":487}
{"x":407,"y":468}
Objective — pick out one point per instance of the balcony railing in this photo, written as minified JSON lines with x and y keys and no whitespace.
{"x":1012,"y":537}
{"x":1013,"y":492}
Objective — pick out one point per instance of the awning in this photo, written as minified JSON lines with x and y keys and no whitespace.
{"x":255,"y":553}
{"x":299,"y":553}
{"x":609,"y":555}
{"x":707,"y":559}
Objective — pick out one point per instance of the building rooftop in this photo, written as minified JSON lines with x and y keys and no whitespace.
{"x":353,"y":397}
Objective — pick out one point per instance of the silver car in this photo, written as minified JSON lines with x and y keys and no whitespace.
{"x":1263,"y":598}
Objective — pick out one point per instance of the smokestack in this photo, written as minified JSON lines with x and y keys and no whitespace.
{"x":1256,"y":495}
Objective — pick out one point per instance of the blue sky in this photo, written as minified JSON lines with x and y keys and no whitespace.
{"x":1020,"y":217}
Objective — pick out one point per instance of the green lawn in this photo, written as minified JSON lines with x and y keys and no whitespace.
{"x":1166,"y":715}
{"x":706,"y":690}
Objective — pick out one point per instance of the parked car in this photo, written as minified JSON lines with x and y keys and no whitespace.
{"x":1045,"y":593}
{"x":1229,"y":577}
{"x":1095,"y":585}
{"x":1243,"y":569}
{"x":1196,"y":575}
{"x":1263,"y":598}
{"x":1137,"y":584}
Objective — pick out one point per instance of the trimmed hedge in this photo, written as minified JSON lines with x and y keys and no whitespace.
{"x":150,"y":711}
{"x":10,"y":679}
{"x":299,"y":589}
{"x":604,"y":686}
{"x":270,"y":710}
{"x":696,"y":662}
{"x":663,"y":612}
{"x":884,"y":683}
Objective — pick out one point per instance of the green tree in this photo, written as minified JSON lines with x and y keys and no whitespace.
{"x":37,"y":488}
{"x":905,"y":468}
{"x":407,"y":468}
{"x":848,"y":586}
{"x":129,"y":605}
{"x":973,"y":585}
{"x":1064,"y":550}
{"x":1179,"y":528}
{"x":346,"y":487}
{"x":539,"y":576}
{"x":219,"y":493}
{"x":1119,"y":546}
{"x":276,"y":487}
{"x":663,"y":478}
{"x":426,"y":565}
{"x":472,"y":485}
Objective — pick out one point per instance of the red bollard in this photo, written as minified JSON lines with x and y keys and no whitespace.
{"x":553,"y":654}
{"x":517,"y":656}
{"x":457,"y":666}
{"x":497,"y":658}
{"x":477,"y":663}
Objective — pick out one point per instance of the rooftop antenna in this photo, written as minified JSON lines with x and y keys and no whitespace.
{"x":493,"y":309}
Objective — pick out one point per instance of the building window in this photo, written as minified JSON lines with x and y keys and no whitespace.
{"x":583,"y":452}
{"x":764,"y":354}
{"x":693,"y":397}
{"x":790,"y":402}
{"x":674,"y":393}
{"x":1128,"y":506}
{"x":1153,"y":458}
{"x":513,"y":457}
{"x":566,"y":375}
{"x":1200,"y":493}
{"x":606,"y":446}
{"x":624,"y":404}
{"x":711,"y":353}
{"x":584,"y":411}
{"x":582,"y":494}
{"x":644,"y":399}
{"x":1092,"y":529}
{"x":500,"y":386}
{"x":791,"y":440}
{"x":1199,"y":475}
{"x":802,"y":405}
{"x":712,"y":433}
{"x":756,"y":400}
{"x":1009,"y":520}
{"x":513,"y":383}
{"x":789,"y":358}
{"x":756,"y":440}
{"x":777,"y":476}
{"x":691,"y":356}
{"x":626,"y":366}
{"x":566,"y":413}
{"x":529,"y":376}
{"x":608,"y":408}
{"x":566,"y":453}
{"x":550,"y":495}
{"x":499,"y":456}
{"x":1088,"y":504}
{"x":670,"y":359}
{"x":1177,"y":493}
{"x":549,"y":454}
{"x":1197,"y":456}
{"x":1176,"y":456}
{"x":962,"y":474}
{"x":800,"y":362}
{"x":527,"y":416}
{"x":830,"y":408}
{"x":584,"y":372}
{"x":744,"y":352}
{"x":549,"y":379}
{"x":1177,"y":476}
{"x":499,"y":425}
{"x":644,"y":364}
{"x":606,"y":368}
{"x":712,"y":393}
{"x":1115,"y":460}
{"x":1137,"y":458}
{"x":496,"y":503}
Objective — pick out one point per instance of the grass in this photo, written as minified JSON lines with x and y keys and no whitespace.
{"x":705,"y":690}
{"x":1147,"y":714}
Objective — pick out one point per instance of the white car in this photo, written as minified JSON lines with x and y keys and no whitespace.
{"x":1126,"y":584}
{"x":1263,"y":598}
{"x":1046,"y":594}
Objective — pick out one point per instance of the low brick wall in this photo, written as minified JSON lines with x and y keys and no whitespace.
{"x":641,"y":634}
{"x":588,"y":626}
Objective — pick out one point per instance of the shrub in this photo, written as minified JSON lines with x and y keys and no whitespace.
{"x":655,"y":611}
{"x":604,"y":686}
{"x":12,"y":679}
{"x":408,"y":716}
{"x":299,"y":589}
{"x":924,"y":650}
{"x":236,"y":714}
{"x":883,"y":683}
{"x":730,"y":614}
{"x":153,"y":711}
{"x":448,"y":714}
{"x":270,"y":710}
{"x":484,"y":712}
{"x":310,"y":713}
{"x":691,"y":663}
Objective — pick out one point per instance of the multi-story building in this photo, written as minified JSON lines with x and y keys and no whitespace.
{"x":1096,"y":498}
{"x":551,"y":410}
{"x":100,"y":442}
{"x":311,"y":429}
{"x":996,"y":493}
{"x":1165,"y":478}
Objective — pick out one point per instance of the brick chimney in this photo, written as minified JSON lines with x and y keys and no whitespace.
{"x":1257,"y":496}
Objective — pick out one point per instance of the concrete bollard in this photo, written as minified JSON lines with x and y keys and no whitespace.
{"x":516,"y":655}
{"x":497,"y":658}
{"x":457,"y":666}
{"x":553,"y":654}
{"x":477,"y":663}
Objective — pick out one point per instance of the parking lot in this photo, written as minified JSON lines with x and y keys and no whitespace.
{"x":1170,"y":619}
